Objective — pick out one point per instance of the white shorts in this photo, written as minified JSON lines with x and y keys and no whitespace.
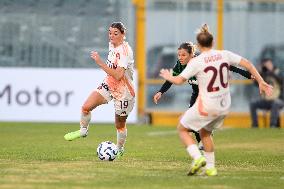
{"x":123,"y":106}
{"x":192,"y":119}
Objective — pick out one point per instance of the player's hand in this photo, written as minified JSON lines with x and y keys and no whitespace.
{"x":165,"y":73}
{"x":265,"y":88}
{"x":95,"y":56}
{"x":157,"y":97}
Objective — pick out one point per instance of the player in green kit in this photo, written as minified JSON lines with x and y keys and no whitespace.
{"x":185,"y":52}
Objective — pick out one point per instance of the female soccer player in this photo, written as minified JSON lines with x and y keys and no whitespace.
{"x":211,"y":69}
{"x":185,"y":53}
{"x":117,"y":86}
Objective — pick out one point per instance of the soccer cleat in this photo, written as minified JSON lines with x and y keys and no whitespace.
{"x":207,"y":172}
{"x":120,"y":152}
{"x":196,"y":165}
{"x":73,"y":135}
{"x":211,"y":172}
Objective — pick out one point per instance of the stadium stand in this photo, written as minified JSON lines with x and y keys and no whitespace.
{"x":54,"y":33}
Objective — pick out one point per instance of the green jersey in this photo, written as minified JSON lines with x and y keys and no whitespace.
{"x":179,"y":68}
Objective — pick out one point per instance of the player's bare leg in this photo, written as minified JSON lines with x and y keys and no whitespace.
{"x":95,"y":99}
{"x":207,"y":140}
{"x":121,"y":130}
{"x":192,"y":149}
{"x":185,"y":136}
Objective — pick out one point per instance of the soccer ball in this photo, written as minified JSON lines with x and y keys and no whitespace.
{"x":107,"y":151}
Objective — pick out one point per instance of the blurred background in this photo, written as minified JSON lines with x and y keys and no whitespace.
{"x":59,"y":34}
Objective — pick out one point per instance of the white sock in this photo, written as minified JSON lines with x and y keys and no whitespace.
{"x":84,"y":124}
{"x":210,"y":159}
{"x":85,"y":119}
{"x":121,"y":138}
{"x":193,"y":151}
{"x":84,"y":131}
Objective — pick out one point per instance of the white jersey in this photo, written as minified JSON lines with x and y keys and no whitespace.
{"x":211,"y":69}
{"x":121,"y":56}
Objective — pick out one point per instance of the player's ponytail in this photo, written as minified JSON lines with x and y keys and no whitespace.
{"x":204,"y":36}
{"x":204,"y":29}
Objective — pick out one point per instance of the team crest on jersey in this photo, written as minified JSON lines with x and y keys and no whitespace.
{"x":117,"y":55}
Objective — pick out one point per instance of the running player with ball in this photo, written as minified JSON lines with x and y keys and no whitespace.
{"x":117,"y":86}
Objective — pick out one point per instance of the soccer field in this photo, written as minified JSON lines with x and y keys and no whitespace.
{"x":35,"y":155}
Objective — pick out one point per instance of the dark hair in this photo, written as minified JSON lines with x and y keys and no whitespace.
{"x":119,"y":26}
{"x":204,"y":37}
{"x":188,"y":46}
{"x":264,"y":60}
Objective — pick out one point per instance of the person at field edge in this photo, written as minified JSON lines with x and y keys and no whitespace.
{"x":117,"y":86}
{"x":185,"y":53}
{"x":211,"y":69}
{"x":275,"y":103}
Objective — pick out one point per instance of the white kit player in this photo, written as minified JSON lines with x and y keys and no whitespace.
{"x":117,"y":86}
{"x":211,"y":69}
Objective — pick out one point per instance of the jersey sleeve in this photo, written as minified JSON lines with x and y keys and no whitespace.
{"x":165,"y":87}
{"x":233,"y":58}
{"x":240,"y":71}
{"x":190,"y":70}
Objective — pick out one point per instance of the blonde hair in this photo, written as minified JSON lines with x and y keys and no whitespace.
{"x":204,"y":29}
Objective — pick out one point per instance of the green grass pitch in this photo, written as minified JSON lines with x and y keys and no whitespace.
{"x":35,"y":155}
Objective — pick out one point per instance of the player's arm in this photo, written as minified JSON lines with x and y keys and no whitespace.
{"x":117,"y":73}
{"x":240,"y":71}
{"x":263,"y":86}
{"x":187,"y":73}
{"x":251,"y":68}
{"x":166,"y":74}
{"x":165,"y":87}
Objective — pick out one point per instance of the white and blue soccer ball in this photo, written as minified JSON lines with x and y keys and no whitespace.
{"x":107,"y":151}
